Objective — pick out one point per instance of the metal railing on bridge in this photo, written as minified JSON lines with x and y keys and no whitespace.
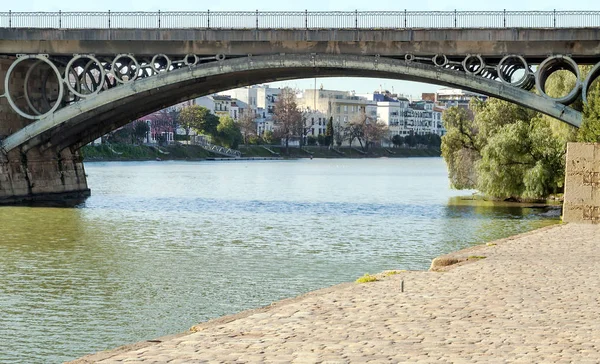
{"x":228,"y":152}
{"x":300,"y":19}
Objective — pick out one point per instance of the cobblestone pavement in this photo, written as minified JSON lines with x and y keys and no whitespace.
{"x":535,"y":298}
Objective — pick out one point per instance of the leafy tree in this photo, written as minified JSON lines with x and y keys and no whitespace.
{"x":460,"y":147}
{"x":228,"y":132}
{"x":322,"y":139}
{"x":329,"y":132}
{"x":289,"y":120}
{"x":397,"y":140}
{"x":140,"y":130}
{"x":590,"y":128}
{"x":198,"y":118}
{"x":268,"y":137}
{"x":311,"y":140}
{"x":522,"y":160}
{"x":121,"y":136}
{"x":505,"y":151}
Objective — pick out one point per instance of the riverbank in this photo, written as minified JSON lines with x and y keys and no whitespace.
{"x":125,"y":152}
{"x":530,"y":298}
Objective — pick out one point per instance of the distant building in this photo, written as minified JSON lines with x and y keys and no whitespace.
{"x":343,"y":106}
{"x":448,"y":97}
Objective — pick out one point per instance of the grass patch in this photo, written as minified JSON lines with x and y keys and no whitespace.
{"x":367,"y":278}
{"x":392,"y":272}
{"x":476,"y":257}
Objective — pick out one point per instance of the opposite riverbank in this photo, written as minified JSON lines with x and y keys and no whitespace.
{"x":529,"y":298}
{"x":125,"y":152}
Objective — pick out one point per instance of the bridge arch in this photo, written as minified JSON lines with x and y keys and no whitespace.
{"x":86,"y":120}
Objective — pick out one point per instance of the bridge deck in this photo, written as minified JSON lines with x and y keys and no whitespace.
{"x":534,"y":299}
{"x":582,"y":43}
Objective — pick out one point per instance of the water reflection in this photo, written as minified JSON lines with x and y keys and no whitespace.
{"x":161,"y":246}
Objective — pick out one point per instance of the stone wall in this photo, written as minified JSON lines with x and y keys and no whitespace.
{"x":582,"y":184}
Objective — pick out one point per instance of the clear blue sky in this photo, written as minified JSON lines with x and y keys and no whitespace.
{"x":348,"y":83}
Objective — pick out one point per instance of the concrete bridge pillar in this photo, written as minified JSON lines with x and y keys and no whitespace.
{"x":582,"y":184}
{"x":35,"y":175}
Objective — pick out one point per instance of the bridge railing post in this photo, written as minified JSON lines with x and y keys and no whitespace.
{"x":59,"y":19}
{"x":109,"y":19}
{"x":159,"y":19}
{"x":356,"y":18}
{"x":554,"y":16}
{"x":208,"y":19}
{"x":404,"y":18}
{"x":504,"y":18}
{"x":455,"y":18}
{"x":306,"y":18}
{"x":256,"y":18}
{"x":10,"y":19}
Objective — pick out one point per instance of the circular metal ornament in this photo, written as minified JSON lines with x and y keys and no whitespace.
{"x":220,"y":57}
{"x":440,"y":60}
{"x":26,"y":89}
{"x":551,"y":65}
{"x":156,"y":60}
{"x":508,"y":65}
{"x":119,"y":75}
{"x":191,"y":62}
{"x":591,"y":77}
{"x":473,"y":64}
{"x":68,"y":70}
{"x":409,"y":57}
{"x":61,"y":89}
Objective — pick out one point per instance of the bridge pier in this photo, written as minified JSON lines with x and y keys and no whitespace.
{"x":582,"y":184}
{"x":36,"y":175}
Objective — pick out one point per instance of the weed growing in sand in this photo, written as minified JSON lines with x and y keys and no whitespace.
{"x":367,"y":278}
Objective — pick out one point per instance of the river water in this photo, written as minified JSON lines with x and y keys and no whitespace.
{"x":162,"y":246}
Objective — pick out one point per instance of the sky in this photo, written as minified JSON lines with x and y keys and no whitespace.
{"x":360,"y":85}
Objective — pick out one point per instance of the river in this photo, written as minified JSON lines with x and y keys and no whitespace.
{"x":162,"y":246}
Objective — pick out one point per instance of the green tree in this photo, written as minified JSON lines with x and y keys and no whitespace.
{"x":460,"y":147}
{"x":322,"y":139}
{"x":198,"y":118}
{"x":268,"y":137}
{"x":228,"y":133}
{"x":140,"y":130}
{"x":589,"y":132}
{"x":329,"y":132}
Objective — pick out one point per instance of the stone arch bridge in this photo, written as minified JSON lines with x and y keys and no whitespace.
{"x":62,"y":88}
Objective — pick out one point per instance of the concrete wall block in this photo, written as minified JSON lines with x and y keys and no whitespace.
{"x":592,"y":214}
{"x":572,"y":213}
{"x":580,"y":150}
{"x":582,"y":184}
{"x":575,"y":191}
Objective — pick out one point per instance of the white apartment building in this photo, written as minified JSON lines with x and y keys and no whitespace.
{"x":259,"y":98}
{"x":315,"y":123}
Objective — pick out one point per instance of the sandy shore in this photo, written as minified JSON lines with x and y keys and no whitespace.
{"x":531,"y":298}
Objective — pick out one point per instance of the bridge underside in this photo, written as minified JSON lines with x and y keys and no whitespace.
{"x":40,"y":158}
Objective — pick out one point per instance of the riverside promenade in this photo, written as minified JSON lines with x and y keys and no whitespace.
{"x":534,"y":298}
